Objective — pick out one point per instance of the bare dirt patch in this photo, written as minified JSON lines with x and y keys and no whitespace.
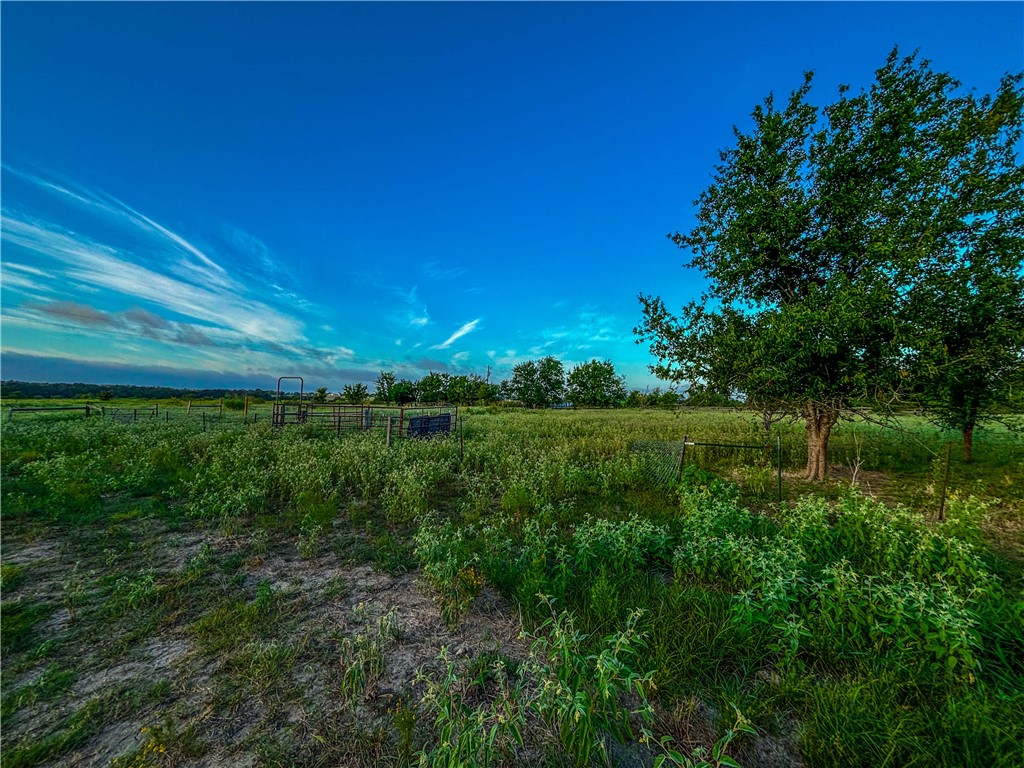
{"x":326,"y":602}
{"x":147,"y":664}
{"x":180,"y":550}
{"x":115,"y":739}
{"x":19,"y":553}
{"x":367,"y":594}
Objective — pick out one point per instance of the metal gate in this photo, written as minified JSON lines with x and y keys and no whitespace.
{"x":289,"y":413}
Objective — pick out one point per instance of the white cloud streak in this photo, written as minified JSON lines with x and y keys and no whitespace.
{"x":439,"y":272}
{"x":173,"y":237}
{"x":161,"y":293}
{"x":101,"y":266}
{"x":467,"y":328}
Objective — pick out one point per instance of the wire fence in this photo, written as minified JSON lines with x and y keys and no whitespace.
{"x":757,"y":469}
{"x":391,"y":423}
{"x":661,"y":460}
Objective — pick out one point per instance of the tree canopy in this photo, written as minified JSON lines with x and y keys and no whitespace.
{"x":537,"y":383}
{"x":385,"y":386}
{"x":595,"y":384}
{"x":967,"y":305}
{"x":354,"y":394}
{"x":816,"y":233}
{"x":463,"y":389}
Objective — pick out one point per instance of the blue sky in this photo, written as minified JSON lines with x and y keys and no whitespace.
{"x":219,"y":194}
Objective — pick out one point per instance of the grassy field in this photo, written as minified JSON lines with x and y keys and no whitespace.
{"x":551,"y":591}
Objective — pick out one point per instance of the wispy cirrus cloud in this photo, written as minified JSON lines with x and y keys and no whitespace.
{"x":90,"y":263}
{"x":403,"y":309}
{"x":416,"y":308}
{"x":113,"y":247}
{"x":109,"y":211}
{"x":437,"y":271}
{"x":588,"y":334}
{"x":9,"y":265}
{"x":160,"y":294}
{"x":255,"y":250}
{"x":466,"y":328}
{"x":591,"y":330}
{"x":261,"y":263}
{"x":176,"y":239}
{"x":24,"y":279}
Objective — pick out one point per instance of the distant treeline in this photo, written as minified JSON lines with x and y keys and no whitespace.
{"x":434,"y":388}
{"x":31,"y":389}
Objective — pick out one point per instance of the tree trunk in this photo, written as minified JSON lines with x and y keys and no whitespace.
{"x":819,"y":422}
{"x":968,"y":434}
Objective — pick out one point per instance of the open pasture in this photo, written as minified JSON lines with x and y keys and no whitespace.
{"x":556,"y":590}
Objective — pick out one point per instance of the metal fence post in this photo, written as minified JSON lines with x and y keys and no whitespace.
{"x":682,"y":458}
{"x":945,"y":482}
{"x":778,"y":457}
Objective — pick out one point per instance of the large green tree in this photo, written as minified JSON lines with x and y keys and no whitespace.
{"x":433,"y":388}
{"x":595,"y":384}
{"x":403,"y":392}
{"x":968,"y":305}
{"x":812,"y":237}
{"x":537,"y":383}
{"x":968,"y":366}
{"x":354,"y":394}
{"x":385,"y":384}
{"x":471,"y":389}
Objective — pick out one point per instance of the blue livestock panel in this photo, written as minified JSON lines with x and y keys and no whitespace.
{"x":427,"y":426}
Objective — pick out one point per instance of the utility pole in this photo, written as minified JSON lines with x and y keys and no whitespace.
{"x":487,"y":378}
